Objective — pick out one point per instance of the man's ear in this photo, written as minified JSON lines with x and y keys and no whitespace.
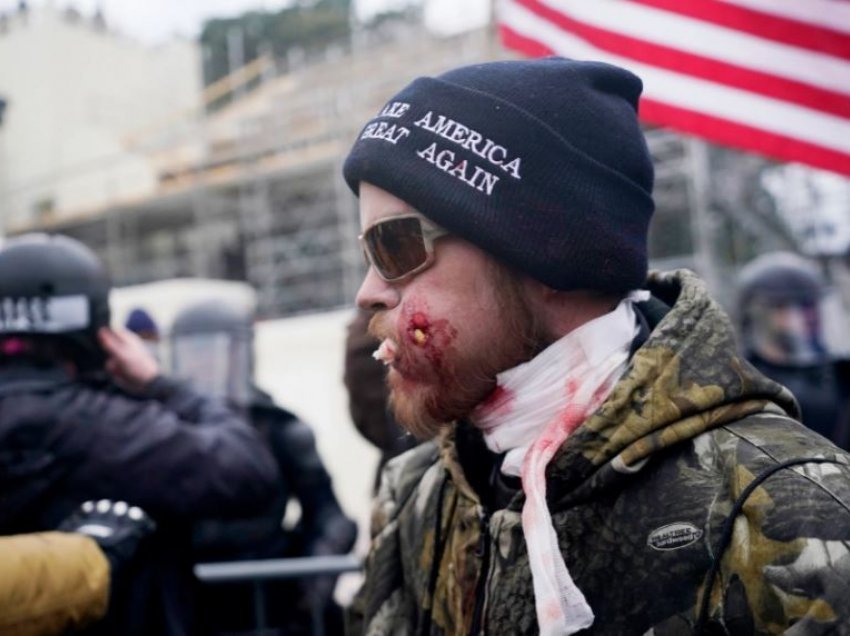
{"x":537,"y":293}
{"x":560,"y":312}
{"x":544,"y":303}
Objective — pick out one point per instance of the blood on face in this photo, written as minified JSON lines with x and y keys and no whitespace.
{"x":431,"y":338}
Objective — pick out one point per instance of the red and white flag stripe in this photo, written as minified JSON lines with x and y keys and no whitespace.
{"x":772,"y":76}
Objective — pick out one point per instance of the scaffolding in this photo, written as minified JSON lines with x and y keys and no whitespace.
{"x":253,"y":190}
{"x":250,"y":187}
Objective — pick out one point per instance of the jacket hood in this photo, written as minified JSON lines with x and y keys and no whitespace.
{"x":687,"y":378}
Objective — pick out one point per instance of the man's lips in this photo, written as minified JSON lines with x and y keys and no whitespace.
{"x":396,"y":361}
{"x":387,"y":352}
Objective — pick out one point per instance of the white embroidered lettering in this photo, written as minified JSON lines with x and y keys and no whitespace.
{"x":383,"y":130}
{"x":488,"y":143}
{"x":425,"y":122}
{"x":444,"y":159}
{"x":394,"y":109}
{"x":491,"y":156}
{"x":428,"y":153}
{"x":512,"y":167}
{"x":404,"y":132}
{"x":487,"y":181}
{"x":443,"y":126}
{"x":459,"y":134}
{"x":459,"y":171}
{"x":472,"y":140}
{"x":468,"y":139}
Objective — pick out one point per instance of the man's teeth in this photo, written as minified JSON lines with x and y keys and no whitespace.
{"x":386,"y":352}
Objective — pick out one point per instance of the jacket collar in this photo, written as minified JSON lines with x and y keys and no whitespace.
{"x":685,"y":378}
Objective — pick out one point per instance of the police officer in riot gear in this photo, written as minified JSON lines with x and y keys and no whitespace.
{"x":85,"y":414}
{"x":779,"y":302}
{"x":212,"y":345}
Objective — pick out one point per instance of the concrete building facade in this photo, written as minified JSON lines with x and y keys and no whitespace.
{"x":80,"y":99}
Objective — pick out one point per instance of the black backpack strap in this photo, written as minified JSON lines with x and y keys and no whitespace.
{"x":728,"y":525}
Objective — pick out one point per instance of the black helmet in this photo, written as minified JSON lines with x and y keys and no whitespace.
{"x":779,"y":296}
{"x":212,"y":345}
{"x":53,"y":286}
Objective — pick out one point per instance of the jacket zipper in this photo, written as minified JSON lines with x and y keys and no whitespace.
{"x":482,"y":551}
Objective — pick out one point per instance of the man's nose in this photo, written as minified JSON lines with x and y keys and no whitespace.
{"x":375,"y":293}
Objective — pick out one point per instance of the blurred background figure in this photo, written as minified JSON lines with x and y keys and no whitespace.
{"x":779,"y":303}
{"x":212,"y":345}
{"x":141,"y":323}
{"x":365,"y":380}
{"x":86,"y":415}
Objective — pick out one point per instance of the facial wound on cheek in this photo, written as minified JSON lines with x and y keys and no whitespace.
{"x":418,"y":328}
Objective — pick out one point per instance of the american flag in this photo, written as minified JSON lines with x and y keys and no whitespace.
{"x":771,"y":76}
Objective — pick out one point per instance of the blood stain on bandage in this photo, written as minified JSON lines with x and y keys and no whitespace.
{"x":552,"y":611}
{"x":599,"y":395}
{"x":498,"y":403}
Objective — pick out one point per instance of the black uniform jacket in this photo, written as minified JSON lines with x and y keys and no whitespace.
{"x":175,"y":453}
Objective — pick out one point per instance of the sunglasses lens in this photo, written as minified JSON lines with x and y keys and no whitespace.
{"x":397,"y":246}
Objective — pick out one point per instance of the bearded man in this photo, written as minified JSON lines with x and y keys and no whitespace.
{"x":604,"y":461}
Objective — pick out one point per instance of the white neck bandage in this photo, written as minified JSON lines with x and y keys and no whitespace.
{"x":533,"y":410}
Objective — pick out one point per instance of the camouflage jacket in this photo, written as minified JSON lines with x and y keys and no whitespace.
{"x":639,"y":496}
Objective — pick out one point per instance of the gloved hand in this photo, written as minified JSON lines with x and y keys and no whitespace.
{"x":116,"y":527}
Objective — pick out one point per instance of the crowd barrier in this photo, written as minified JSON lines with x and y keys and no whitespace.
{"x":258,"y":572}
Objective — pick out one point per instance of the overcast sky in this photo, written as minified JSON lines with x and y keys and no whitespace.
{"x":153,"y":21}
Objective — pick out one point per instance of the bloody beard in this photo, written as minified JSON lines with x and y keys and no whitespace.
{"x":440,"y":371}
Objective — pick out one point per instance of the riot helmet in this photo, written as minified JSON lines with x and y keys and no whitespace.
{"x":212,"y":346}
{"x":779,"y":302}
{"x":54,"y":287}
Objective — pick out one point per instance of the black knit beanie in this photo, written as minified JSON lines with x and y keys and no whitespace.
{"x":541,"y":163}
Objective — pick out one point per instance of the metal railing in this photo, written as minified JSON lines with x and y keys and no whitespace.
{"x":258,"y":572}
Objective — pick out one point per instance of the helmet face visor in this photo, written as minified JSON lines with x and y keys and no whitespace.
{"x":786,"y":332}
{"x":217,"y":363}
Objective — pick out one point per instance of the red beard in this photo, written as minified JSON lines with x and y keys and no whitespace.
{"x":433,"y":380}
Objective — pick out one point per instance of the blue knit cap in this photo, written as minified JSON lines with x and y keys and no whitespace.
{"x":540,"y":163}
{"x":139,"y":321}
